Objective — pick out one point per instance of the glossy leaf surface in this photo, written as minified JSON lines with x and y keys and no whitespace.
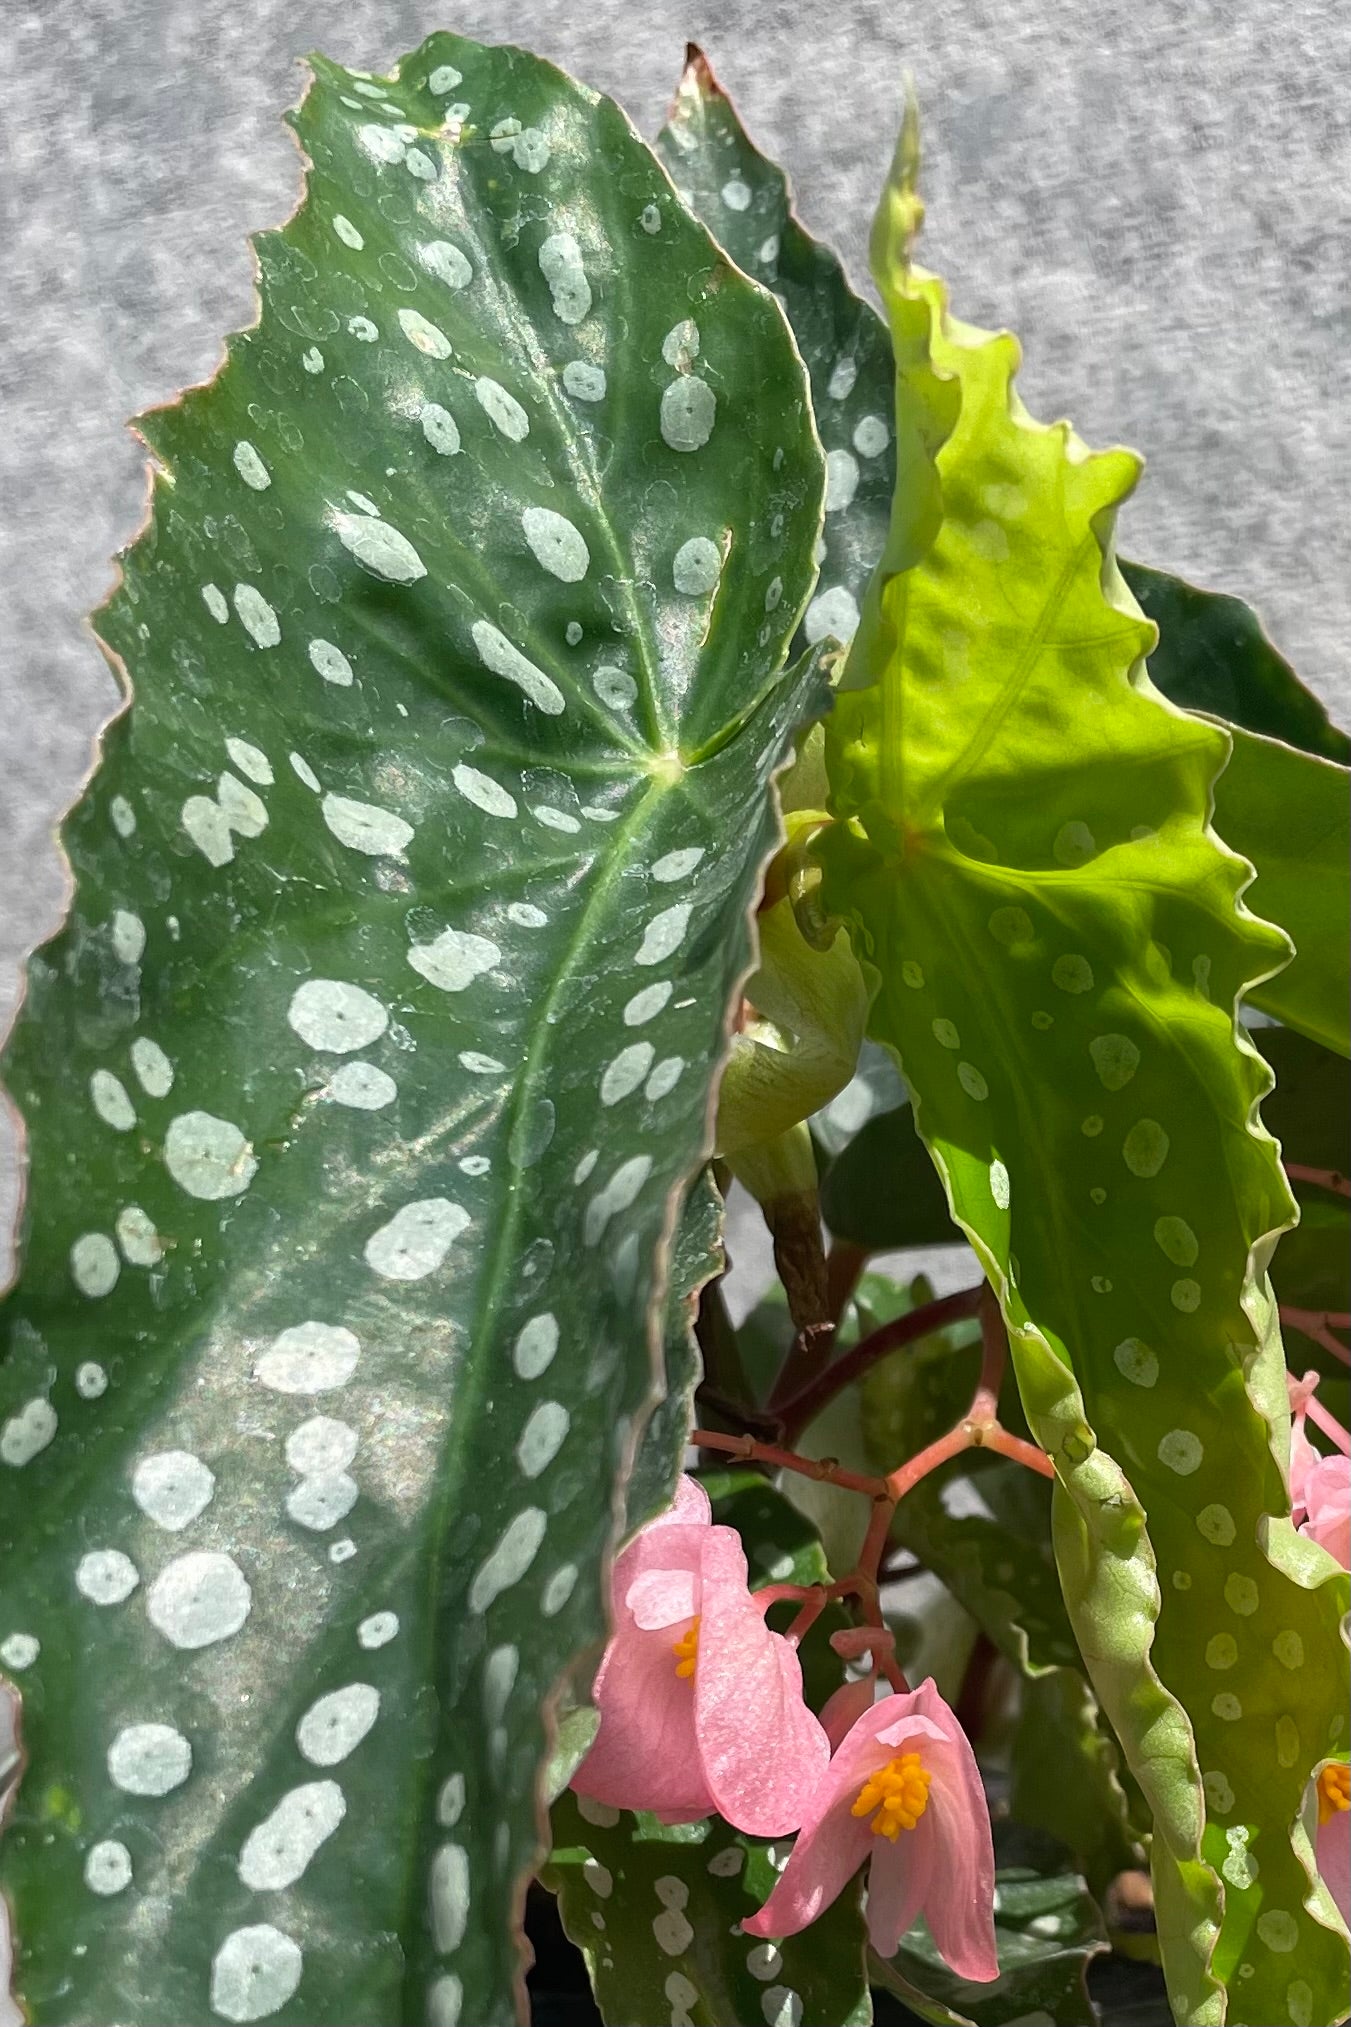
{"x":362,"y":1084}
{"x":655,"y":1912}
{"x":1059,"y":948}
{"x":744,"y":200}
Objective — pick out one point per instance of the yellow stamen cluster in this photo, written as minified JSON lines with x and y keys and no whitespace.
{"x":899,"y":1792}
{"x":686,"y":1650}
{"x":1334,"y":1792}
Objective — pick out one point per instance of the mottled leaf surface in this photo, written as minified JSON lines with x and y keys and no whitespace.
{"x":696,"y":1257}
{"x":1059,"y":949}
{"x":744,"y":200}
{"x":656,"y":1912}
{"x":362,"y":1083}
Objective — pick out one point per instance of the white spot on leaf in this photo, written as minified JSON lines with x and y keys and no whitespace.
{"x":309,"y":1358}
{"x":208,"y":1158}
{"x":416,"y":1239}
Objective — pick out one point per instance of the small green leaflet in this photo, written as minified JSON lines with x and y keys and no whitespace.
{"x":1025,"y":864}
{"x":365,"y":1078}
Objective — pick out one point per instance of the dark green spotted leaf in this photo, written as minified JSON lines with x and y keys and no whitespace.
{"x":696,"y":1257}
{"x":745,"y":202}
{"x":1284,"y":800}
{"x":656,"y":1912}
{"x":1047,"y":1932}
{"x":1213,"y":655}
{"x":1310,"y":1113}
{"x":1026,"y":866}
{"x":881,"y":1191}
{"x":364,"y":1080}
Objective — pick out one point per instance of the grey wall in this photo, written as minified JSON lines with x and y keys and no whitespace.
{"x":1154,"y":193}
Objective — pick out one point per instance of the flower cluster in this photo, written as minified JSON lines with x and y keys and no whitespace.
{"x":701,"y":1710}
{"x":1320,"y":1500}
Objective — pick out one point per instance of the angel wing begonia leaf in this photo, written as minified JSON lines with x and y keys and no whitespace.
{"x":411,"y":896}
{"x":1059,"y":946}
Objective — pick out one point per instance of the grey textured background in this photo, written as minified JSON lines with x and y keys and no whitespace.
{"x":1154,"y":193}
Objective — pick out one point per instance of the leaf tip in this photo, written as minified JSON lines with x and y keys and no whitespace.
{"x":900,"y":210}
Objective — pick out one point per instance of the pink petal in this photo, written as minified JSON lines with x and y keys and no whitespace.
{"x":1332,"y":1849}
{"x":663,"y":1597}
{"x":644,"y":1754}
{"x":833,"y":1842}
{"x":827,"y":1854}
{"x":842,"y":1711}
{"x":898,"y":1878}
{"x":958,"y":1849}
{"x":761,"y":1748}
{"x":691,"y":1506}
{"x":659,"y":1547}
{"x":1303,"y":1457}
{"x":1327,"y":1496}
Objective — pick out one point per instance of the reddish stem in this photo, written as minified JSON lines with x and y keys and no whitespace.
{"x":804,"y":1406}
{"x":995,"y":1438}
{"x":806,"y":1619}
{"x":908,"y":1476}
{"x":753,"y":1451}
{"x":1329,"y":1424}
{"x":1322,"y":1178}
{"x":1318,"y":1325}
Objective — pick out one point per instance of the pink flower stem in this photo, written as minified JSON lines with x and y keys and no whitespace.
{"x":995,"y":1438}
{"x":1318,"y":1325}
{"x":957,"y":1439}
{"x":772,"y":1594}
{"x":979,"y":1428}
{"x":806,"y":1618}
{"x":1322,"y":1178}
{"x":1329,"y":1424}
{"x":752,"y":1451}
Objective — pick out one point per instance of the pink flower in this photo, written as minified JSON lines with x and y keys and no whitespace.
{"x":701,"y":1706}
{"x":1332,"y":1847}
{"x":903,"y":1792}
{"x":1325,"y":1494}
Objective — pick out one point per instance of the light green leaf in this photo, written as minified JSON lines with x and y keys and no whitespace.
{"x":362,"y":1085}
{"x":655,"y":1912}
{"x":744,"y":201}
{"x":1059,"y":947}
